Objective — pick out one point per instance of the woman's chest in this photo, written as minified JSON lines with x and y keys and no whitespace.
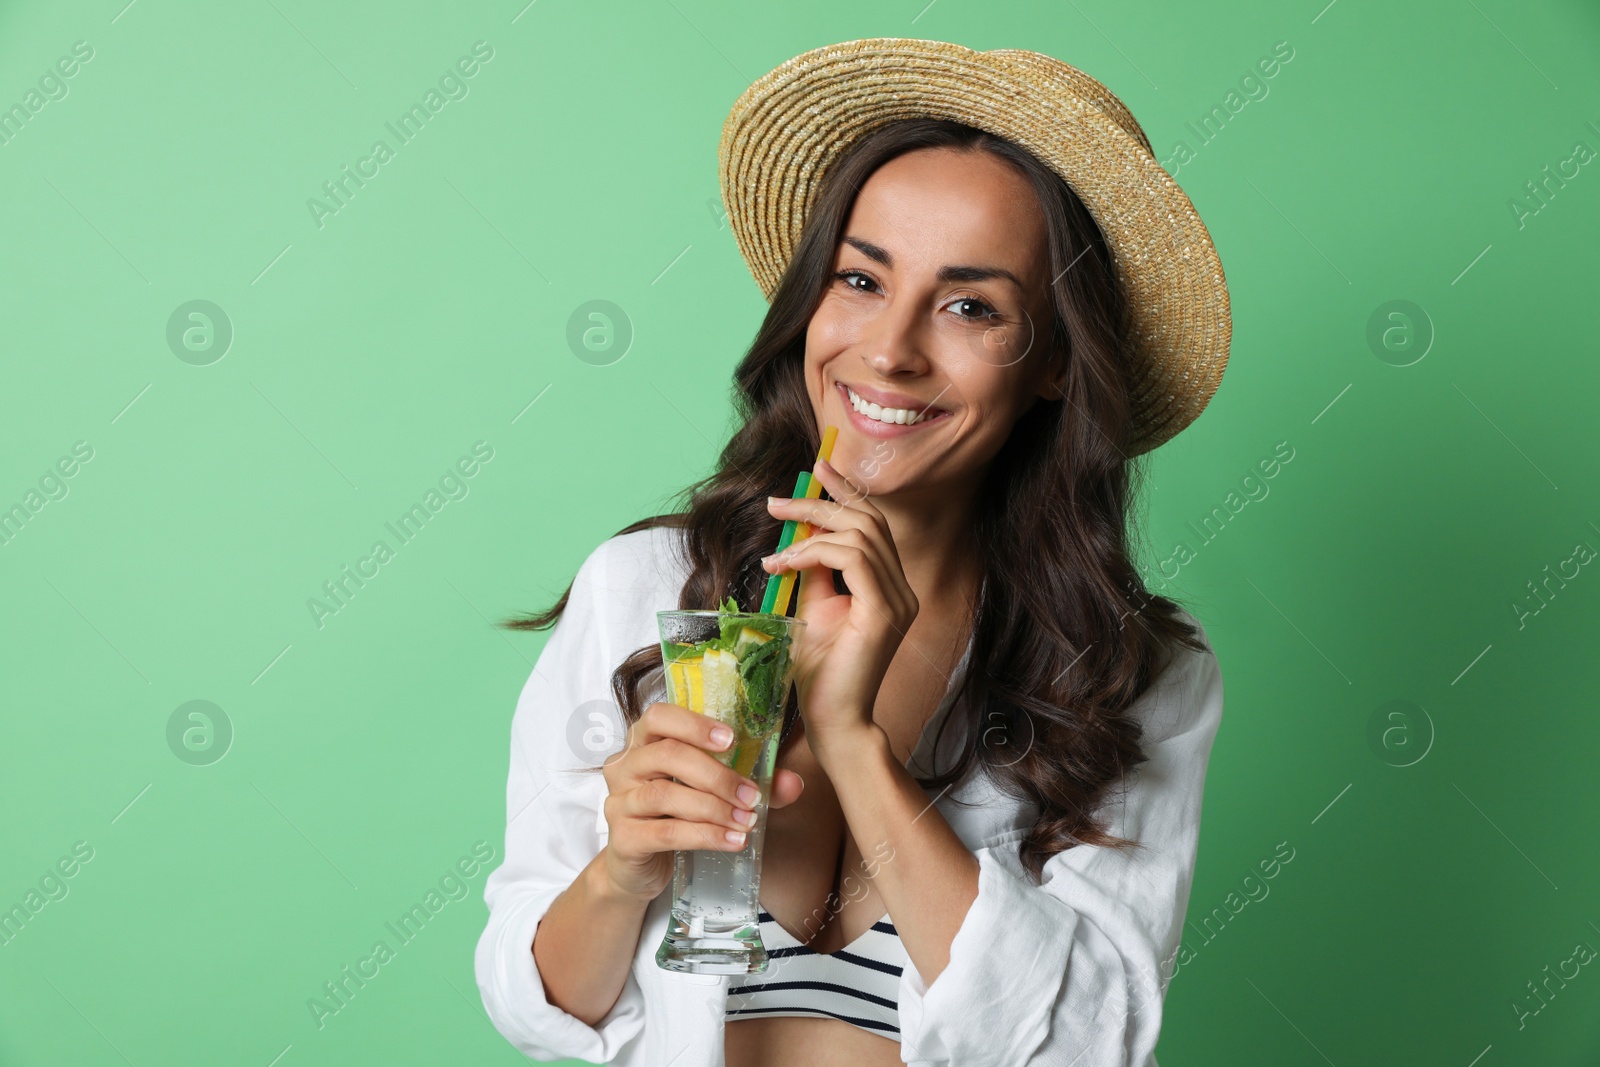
{"x":816,"y":879}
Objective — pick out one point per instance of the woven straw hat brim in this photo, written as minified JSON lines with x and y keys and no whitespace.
{"x":791,"y":124}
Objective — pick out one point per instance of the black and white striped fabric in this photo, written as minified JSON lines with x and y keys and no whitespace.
{"x":859,"y":984}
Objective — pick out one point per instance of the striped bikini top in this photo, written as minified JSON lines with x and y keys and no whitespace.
{"x":859,"y":984}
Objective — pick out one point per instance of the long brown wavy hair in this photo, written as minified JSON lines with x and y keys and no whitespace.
{"x":1054,"y":663}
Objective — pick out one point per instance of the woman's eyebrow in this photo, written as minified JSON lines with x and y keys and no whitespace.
{"x":946,"y":274}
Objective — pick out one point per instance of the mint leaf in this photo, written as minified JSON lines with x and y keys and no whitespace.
{"x":758,"y":672}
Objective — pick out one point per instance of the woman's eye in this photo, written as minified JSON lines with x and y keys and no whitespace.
{"x":965,"y":307}
{"x":849,"y":277}
{"x":969,"y":308}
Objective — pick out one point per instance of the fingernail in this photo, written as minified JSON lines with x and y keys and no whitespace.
{"x":748,"y":795}
{"x":722,"y":737}
{"x":771,"y":500}
{"x":746,"y":817}
{"x":735,"y":837}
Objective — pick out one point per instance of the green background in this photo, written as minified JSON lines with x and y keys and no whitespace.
{"x":368,"y":354}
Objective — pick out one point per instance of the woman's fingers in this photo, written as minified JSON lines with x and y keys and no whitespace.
{"x":678,"y":722}
{"x":670,"y":758}
{"x":676,"y":835}
{"x":668,"y":741}
{"x":847,"y":551}
{"x":667,"y":792}
{"x":849,"y":508}
{"x":824,"y":515}
{"x":636,"y":837}
{"x":659,"y":797}
{"x":864,"y":572}
{"x":786,"y":788}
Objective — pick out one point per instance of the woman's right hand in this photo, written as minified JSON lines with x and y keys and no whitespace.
{"x":651,"y":816}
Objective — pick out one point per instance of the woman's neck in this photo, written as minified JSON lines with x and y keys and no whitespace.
{"x":938,"y":549}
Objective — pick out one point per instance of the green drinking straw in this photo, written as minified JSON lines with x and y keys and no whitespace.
{"x":781,"y":586}
{"x":785,"y":539}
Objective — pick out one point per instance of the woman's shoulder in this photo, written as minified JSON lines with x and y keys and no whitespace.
{"x":1185,"y":658}
{"x":627,"y":578}
{"x":630,"y":557}
{"x":1187,"y":694}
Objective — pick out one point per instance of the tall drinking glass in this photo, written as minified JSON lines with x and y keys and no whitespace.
{"x":736,"y":667}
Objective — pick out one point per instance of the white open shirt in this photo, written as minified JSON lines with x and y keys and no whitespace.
{"x":1069,"y":972}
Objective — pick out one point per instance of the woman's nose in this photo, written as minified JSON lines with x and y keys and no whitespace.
{"x":895,"y":344}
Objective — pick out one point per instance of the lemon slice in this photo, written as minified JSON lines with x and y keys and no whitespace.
{"x":749,"y":639}
{"x":708,"y":684}
{"x":744,"y":760}
{"x":684,"y":680}
{"x":719,"y":687}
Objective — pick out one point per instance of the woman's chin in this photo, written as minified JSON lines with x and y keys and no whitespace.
{"x":875,"y":470}
{"x":855,"y":473}
{"x":880,"y":486}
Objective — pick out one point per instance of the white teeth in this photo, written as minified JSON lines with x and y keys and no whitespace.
{"x":893,"y":416}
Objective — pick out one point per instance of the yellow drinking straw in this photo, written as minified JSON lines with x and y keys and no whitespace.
{"x":802,"y":530}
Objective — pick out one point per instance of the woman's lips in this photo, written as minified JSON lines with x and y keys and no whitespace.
{"x":871,"y":427}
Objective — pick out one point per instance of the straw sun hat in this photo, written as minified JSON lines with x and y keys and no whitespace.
{"x":788,"y":127}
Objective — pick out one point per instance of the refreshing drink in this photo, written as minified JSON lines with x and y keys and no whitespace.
{"x":736,"y":667}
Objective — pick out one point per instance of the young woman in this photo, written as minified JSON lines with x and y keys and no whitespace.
{"x":984,"y":820}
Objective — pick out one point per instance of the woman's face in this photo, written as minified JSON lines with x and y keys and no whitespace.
{"x":939,"y":314}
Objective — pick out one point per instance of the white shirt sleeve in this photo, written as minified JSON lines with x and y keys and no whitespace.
{"x":552,"y":832}
{"x":1076,"y":967}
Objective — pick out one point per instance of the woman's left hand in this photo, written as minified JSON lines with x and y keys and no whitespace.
{"x":849,"y":639}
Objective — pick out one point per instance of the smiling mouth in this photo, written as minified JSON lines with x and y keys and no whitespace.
{"x":891,"y":416}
